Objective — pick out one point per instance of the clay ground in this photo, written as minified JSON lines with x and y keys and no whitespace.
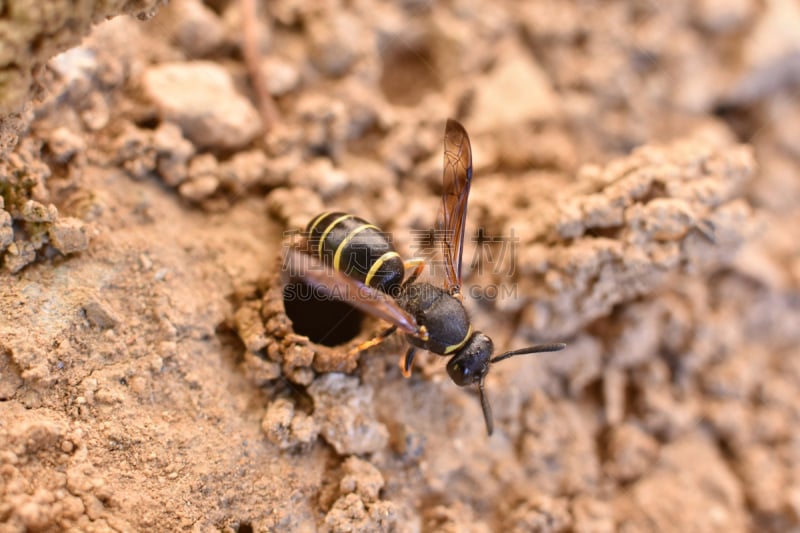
{"x":637,"y":177}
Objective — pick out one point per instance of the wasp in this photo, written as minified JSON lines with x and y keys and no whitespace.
{"x":350,"y":258}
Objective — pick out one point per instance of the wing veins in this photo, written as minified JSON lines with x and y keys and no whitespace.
{"x":456,"y":179}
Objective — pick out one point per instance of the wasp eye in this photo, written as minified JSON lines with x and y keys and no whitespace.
{"x":459,"y":373}
{"x":471,"y":363}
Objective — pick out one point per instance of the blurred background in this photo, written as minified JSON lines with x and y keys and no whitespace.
{"x":636,"y":182}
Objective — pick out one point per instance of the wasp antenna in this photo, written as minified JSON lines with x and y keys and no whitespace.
{"x":487,"y":409}
{"x":539,"y":348}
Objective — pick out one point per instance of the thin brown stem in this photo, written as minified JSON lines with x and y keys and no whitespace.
{"x":252,"y":56}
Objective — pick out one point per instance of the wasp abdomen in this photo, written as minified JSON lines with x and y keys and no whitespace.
{"x":356,"y":248}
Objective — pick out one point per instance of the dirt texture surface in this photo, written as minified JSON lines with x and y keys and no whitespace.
{"x":636,"y":190}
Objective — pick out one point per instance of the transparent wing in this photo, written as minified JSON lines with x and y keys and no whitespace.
{"x":456,"y":181}
{"x":304,"y":267}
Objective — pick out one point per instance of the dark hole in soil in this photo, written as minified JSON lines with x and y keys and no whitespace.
{"x":321,"y":318}
{"x":148,"y":121}
{"x":244,"y":527}
{"x":740,"y":119}
{"x":611,"y":232}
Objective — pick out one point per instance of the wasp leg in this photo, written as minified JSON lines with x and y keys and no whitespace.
{"x":407,"y":361}
{"x":374,"y":341}
{"x":418,"y":264}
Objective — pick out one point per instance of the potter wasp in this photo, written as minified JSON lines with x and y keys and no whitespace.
{"x":348,"y":257}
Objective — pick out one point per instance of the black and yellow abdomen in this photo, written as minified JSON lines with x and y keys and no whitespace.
{"x":356,"y":248}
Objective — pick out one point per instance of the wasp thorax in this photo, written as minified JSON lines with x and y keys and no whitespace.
{"x":471,"y":363}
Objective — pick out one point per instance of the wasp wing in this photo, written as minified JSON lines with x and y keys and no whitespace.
{"x":299,"y":266}
{"x":456,"y":180}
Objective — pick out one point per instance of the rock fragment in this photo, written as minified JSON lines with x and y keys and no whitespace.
{"x":100,"y":314}
{"x":200,"y":97}
{"x":6,"y":230}
{"x":288,"y":428}
{"x":282,"y":76}
{"x":361,"y":478}
{"x":173,"y":152}
{"x":346,"y":416}
{"x":198,"y":30}
{"x":321,"y":176}
{"x":706,"y":492}
{"x":33,"y":211}
{"x":770,"y":53}
{"x":723,"y":16}
{"x":68,"y":235}
{"x":203,"y":180}
{"x":245,"y":170}
{"x":64,"y":144}
{"x":337,"y":41}
{"x":18,"y":255}
{"x":358,"y":507}
{"x":631,"y":452}
{"x":515,"y":93}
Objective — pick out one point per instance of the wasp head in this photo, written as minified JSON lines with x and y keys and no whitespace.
{"x":471,"y":363}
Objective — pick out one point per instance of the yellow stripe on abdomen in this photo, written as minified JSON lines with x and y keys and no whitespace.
{"x":377,"y":265}
{"x":313,"y":225}
{"x":338,"y":255}
{"x":328,"y":230}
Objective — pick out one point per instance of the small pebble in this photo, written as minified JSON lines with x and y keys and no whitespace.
{"x":200,"y":97}
{"x":68,"y":235}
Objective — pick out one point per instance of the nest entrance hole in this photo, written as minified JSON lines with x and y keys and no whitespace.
{"x":320,"y":317}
